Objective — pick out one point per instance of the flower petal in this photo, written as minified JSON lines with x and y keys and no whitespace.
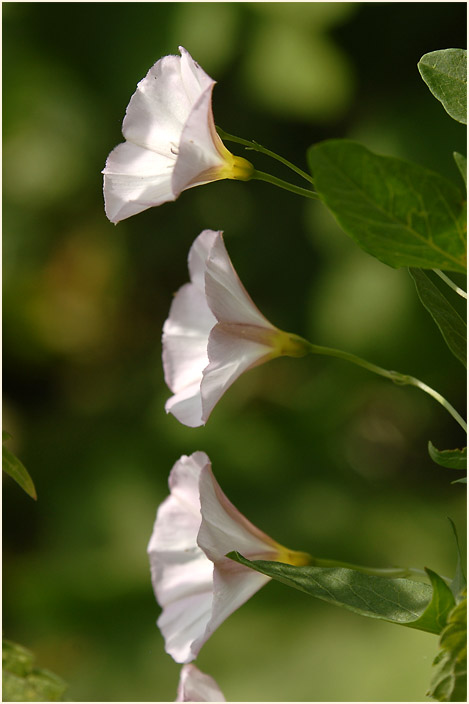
{"x":185,"y":336}
{"x":198,"y":255}
{"x":226,"y":295}
{"x":224,"y":528}
{"x":194,"y":78}
{"x":202,"y":156}
{"x":232,"y":588}
{"x":182,"y":575}
{"x":173,"y":551}
{"x":159,"y":108}
{"x":229,"y":357}
{"x":186,"y":406}
{"x":196,"y":686}
{"x":195,"y":584}
{"x":184,"y":480}
{"x":138,"y":174}
{"x":136,"y":179}
{"x":182,"y":624}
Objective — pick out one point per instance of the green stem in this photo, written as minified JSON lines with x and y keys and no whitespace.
{"x":450,"y":283}
{"x":396,"y":377}
{"x":259,"y":148}
{"x":261,"y":176}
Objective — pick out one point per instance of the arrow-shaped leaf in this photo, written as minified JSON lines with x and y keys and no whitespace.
{"x":451,"y":325}
{"x":401,"y":601}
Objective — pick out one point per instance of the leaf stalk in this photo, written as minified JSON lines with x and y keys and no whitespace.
{"x":450,"y":283}
{"x":396,"y":377}
{"x":286,"y":185}
{"x":255,"y":146}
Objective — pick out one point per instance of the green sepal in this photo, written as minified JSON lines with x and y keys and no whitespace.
{"x":399,"y":212}
{"x":449,"y":681}
{"x":451,"y":459}
{"x":445,"y":73}
{"x":22,"y":682}
{"x":451,"y":325}
{"x":16,"y":470}
{"x":401,"y":601}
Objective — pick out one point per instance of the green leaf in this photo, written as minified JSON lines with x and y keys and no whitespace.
{"x":452,"y":459}
{"x":401,"y":601}
{"x":461,"y":163}
{"x":459,"y":581}
{"x":22,"y":682}
{"x":449,"y":683}
{"x":12,"y":466}
{"x":435,"y":615}
{"x":397,"y":211}
{"x":445,"y":73}
{"x":452,"y":326}
{"x":16,"y":659}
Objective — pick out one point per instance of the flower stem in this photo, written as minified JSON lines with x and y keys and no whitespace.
{"x":259,"y":148}
{"x":396,"y":377}
{"x":261,"y":176}
{"x":450,"y":283}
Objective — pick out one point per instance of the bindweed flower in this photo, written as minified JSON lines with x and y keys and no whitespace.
{"x":214,"y":333}
{"x":194,"y":583}
{"x":171,"y":141}
{"x":196,"y":686}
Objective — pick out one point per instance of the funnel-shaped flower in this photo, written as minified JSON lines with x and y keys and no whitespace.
{"x":196,"y":686}
{"x":214,"y":333}
{"x":194,"y":583}
{"x":171,"y":141}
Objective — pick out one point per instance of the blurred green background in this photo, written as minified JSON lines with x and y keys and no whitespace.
{"x":322,"y":456}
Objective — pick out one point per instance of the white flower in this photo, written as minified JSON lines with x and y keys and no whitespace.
{"x":171,"y":141}
{"x":194,"y":583}
{"x":214,"y":333}
{"x":196,"y":686}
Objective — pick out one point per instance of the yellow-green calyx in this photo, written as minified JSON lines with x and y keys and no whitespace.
{"x":293,"y":557}
{"x":290,"y":345}
{"x":238,"y":168}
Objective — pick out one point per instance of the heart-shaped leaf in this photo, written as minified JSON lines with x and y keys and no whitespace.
{"x":402,"y":601}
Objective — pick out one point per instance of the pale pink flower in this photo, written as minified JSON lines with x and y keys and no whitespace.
{"x":196,"y":686}
{"x":171,"y":141}
{"x":194,"y":583}
{"x":214,"y":333}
